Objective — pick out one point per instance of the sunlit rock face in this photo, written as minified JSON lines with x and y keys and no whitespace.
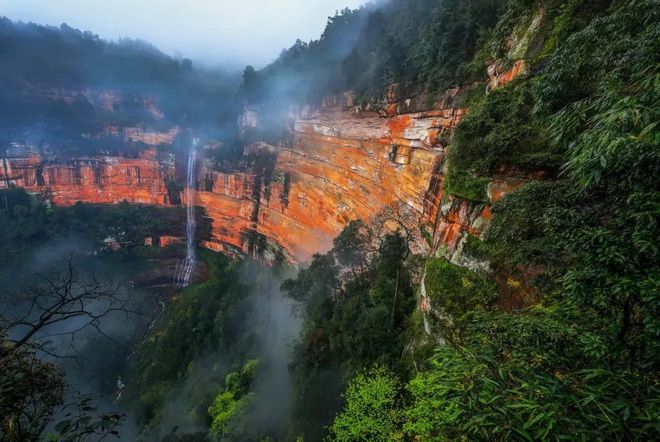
{"x":346,"y":163}
{"x":230,"y":203}
{"x":341,"y":166}
{"x":498,"y":76}
{"x":103,"y":180}
{"x":343,"y":162}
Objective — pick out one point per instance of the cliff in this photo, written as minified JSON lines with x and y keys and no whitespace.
{"x":342,"y":163}
{"x":105,"y":180}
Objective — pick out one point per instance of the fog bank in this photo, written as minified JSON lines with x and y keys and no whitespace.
{"x":212,"y":32}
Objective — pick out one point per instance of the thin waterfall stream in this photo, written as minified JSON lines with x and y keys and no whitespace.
{"x":185,"y":269}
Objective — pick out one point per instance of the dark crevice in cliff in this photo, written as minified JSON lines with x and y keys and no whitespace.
{"x":263,"y":165}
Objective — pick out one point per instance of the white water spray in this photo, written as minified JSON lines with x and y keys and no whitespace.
{"x":185,"y":269}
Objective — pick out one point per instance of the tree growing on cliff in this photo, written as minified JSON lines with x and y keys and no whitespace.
{"x":249,"y":89}
{"x":372,"y":411}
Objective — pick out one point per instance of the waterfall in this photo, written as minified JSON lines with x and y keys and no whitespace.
{"x":185,"y":269}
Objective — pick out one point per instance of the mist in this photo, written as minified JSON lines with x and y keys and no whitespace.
{"x":73,"y":344}
{"x":212,"y":32}
{"x":264,"y":325}
{"x":87,"y":91}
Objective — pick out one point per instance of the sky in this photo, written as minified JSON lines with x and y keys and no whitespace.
{"x":211,"y":32}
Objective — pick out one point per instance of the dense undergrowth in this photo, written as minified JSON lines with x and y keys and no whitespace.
{"x":27,"y":222}
{"x":200,"y":319}
{"x":207,"y":369}
{"x":560,"y":338}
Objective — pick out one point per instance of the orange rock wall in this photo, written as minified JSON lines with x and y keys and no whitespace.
{"x":343,"y":164}
{"x":346,"y":163}
{"x":103,"y":180}
{"x":340,"y":167}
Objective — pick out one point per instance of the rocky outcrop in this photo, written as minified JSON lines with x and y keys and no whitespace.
{"x":102,"y":99}
{"x":151,"y":137}
{"x":498,"y":76}
{"x":342,"y":163}
{"x":343,"y":166}
{"x":105,"y":180}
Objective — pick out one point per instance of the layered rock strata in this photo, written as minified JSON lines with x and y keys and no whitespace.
{"x":344,"y":163}
{"x":101,"y":180}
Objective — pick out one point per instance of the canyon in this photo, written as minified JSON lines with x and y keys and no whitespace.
{"x":343,"y":162}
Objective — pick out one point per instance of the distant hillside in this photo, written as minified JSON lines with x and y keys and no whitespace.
{"x":430,"y":42}
{"x":66,"y":57}
{"x":62,"y":83}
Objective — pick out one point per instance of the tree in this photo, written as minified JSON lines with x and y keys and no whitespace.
{"x":249,"y":86}
{"x":230,"y":406}
{"x":61,"y":299}
{"x":33,"y":390}
{"x":30,"y":391}
{"x":372,"y":411}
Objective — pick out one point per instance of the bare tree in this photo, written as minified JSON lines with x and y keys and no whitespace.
{"x":392,"y":218}
{"x":32,"y":390}
{"x":62,"y":304}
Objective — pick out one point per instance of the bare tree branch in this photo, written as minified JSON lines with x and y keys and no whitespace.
{"x":64,"y":300}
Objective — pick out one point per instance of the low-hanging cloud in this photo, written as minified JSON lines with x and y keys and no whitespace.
{"x":214,"y":32}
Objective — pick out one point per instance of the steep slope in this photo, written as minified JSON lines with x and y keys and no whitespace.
{"x":338,"y":162}
{"x":96,"y":180}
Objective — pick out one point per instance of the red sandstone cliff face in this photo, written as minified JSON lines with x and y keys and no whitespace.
{"x":344,"y":166}
{"x":344,"y":163}
{"x":348,"y":163}
{"x":339,"y":168}
{"x":105,"y":180}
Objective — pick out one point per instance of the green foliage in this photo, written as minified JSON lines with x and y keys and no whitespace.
{"x":231,"y":405}
{"x":351,"y":247}
{"x":603,"y":93}
{"x":432,"y":43}
{"x":586,"y":241}
{"x":593,"y":102}
{"x":496,"y":134}
{"x":30,"y":392}
{"x":204,"y":318}
{"x":37,"y":404}
{"x":475,"y":248}
{"x":466,"y":395}
{"x":567,"y":17}
{"x":603,"y":271}
{"x":372,"y":411}
{"x":356,"y":307}
{"x":522,"y":234}
{"x":446,"y":52}
{"x":463,"y":184}
{"x":455,"y":289}
{"x":360,"y":314}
